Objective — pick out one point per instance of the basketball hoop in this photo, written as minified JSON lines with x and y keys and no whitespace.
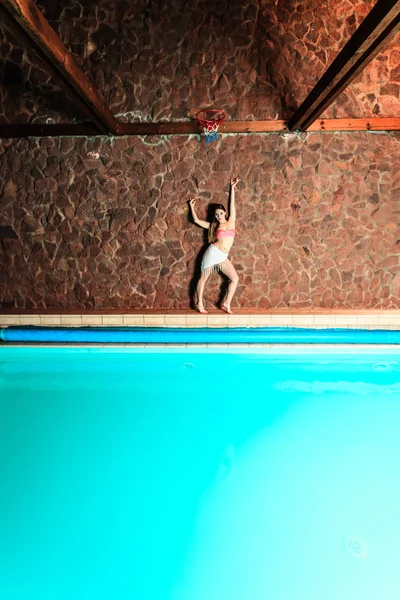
{"x":209,"y":120}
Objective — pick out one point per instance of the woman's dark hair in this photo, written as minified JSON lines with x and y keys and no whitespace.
{"x":212,"y":231}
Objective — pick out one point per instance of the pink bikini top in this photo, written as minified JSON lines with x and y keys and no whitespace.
{"x":221,"y":233}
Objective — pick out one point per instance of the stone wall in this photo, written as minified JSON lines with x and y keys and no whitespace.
{"x":165,"y":60}
{"x":103,"y":222}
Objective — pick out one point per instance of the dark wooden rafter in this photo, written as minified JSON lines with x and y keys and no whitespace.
{"x":192,"y":127}
{"x":28,"y":25}
{"x":378,"y":27}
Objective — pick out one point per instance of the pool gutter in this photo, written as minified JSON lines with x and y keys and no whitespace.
{"x":188,"y":336}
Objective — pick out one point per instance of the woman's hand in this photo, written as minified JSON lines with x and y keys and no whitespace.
{"x":191,"y":202}
{"x":234,"y":182}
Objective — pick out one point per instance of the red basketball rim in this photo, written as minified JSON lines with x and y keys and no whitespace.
{"x":209,"y":117}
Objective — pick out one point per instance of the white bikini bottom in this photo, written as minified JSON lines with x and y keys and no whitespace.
{"x":212,"y":259}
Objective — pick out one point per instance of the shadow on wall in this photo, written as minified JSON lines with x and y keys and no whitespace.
{"x":28,"y":95}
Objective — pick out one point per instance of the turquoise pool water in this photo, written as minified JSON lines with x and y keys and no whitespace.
{"x":198,"y":475}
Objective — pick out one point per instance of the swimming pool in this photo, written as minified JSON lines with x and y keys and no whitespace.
{"x":198,"y":474}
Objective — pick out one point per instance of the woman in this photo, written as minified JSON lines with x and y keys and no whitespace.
{"x":221,"y":233}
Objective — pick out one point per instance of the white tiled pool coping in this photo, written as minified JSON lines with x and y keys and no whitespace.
{"x":316,"y":319}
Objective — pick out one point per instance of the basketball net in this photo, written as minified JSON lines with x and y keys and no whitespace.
{"x":210,"y":120}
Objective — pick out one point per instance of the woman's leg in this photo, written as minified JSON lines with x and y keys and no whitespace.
{"x":199,"y":292}
{"x":229,"y":270}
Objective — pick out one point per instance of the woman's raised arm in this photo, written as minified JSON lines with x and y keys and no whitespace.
{"x":198,"y":221}
{"x":232,"y":203}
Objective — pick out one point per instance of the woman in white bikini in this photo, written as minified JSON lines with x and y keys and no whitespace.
{"x":221,"y":233}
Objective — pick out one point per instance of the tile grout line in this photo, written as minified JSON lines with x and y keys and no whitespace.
{"x":383,"y":319}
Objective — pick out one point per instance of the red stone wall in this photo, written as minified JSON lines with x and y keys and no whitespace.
{"x":163,"y":60}
{"x":103,"y":222}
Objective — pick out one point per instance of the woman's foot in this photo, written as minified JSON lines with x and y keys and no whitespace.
{"x":227,"y":308}
{"x":200,"y":308}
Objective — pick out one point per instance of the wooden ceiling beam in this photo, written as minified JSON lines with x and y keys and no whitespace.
{"x":28,"y":25}
{"x":188,"y":127}
{"x":378,"y":27}
{"x":361,"y":124}
{"x":192,"y":127}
